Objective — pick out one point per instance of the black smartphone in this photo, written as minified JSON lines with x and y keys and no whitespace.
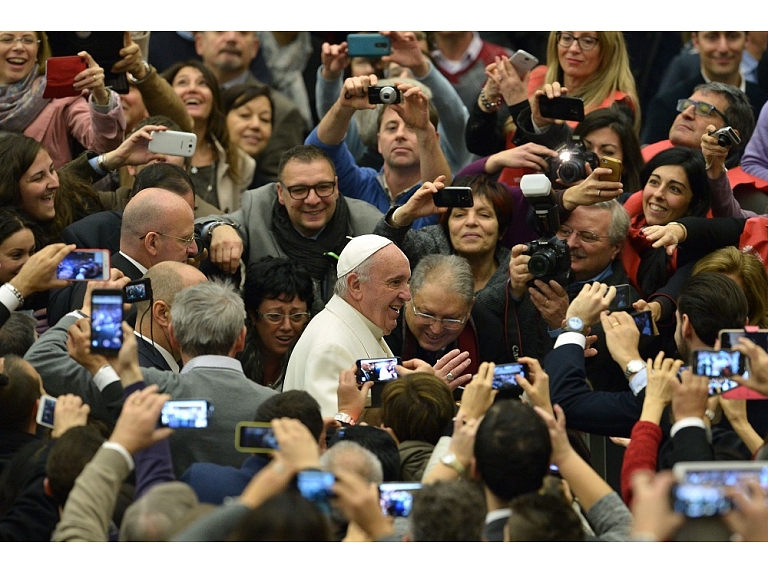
{"x":255,"y":437}
{"x":45,"y":411}
{"x":504,"y":375}
{"x":730,"y":337}
{"x":453,"y":197}
{"x":396,"y":498}
{"x":621,"y":301}
{"x":316,"y":486}
{"x":186,"y":413}
{"x":139,"y":290}
{"x":719,"y":367}
{"x":644,"y":322}
{"x":368,"y":45}
{"x":106,"y":321}
{"x":84,"y":265}
{"x":562,"y":108}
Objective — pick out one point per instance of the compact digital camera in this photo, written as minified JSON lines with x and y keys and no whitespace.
{"x":570,"y":165}
{"x":384,"y":95}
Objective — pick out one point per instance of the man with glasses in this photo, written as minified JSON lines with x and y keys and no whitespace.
{"x":302,"y":217}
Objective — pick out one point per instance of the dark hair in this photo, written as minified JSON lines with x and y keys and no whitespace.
{"x":512,"y":449}
{"x":448,"y":511}
{"x":216,"y":124}
{"x":375,"y":440}
{"x":739,"y":112}
{"x":157,"y":121}
{"x":295,"y":404}
{"x":618,"y":118}
{"x":17,"y":334}
{"x":19,"y":390}
{"x":692,"y":162}
{"x":164,"y":176}
{"x":418,"y":406}
{"x":276,"y":278}
{"x":11,"y":222}
{"x":18,"y":153}
{"x":543,"y":517}
{"x":304,"y":155}
{"x":496,"y":193}
{"x":68,"y":457}
{"x":286,"y":516}
{"x":712,"y":302}
{"x":236,"y":96}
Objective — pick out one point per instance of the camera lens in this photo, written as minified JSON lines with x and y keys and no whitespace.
{"x":542,"y":263}
{"x":570,"y":172}
{"x":388,"y":95}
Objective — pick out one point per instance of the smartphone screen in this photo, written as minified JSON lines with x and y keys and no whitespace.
{"x":701,"y":488}
{"x":729,"y":338}
{"x":621,"y":301}
{"x":45,"y":411}
{"x":719,"y":366}
{"x":377,"y":370}
{"x":84,"y":265}
{"x":255,"y":437}
{"x":106,"y":321}
{"x":644,"y":322}
{"x":504,"y":375}
{"x":396,"y":499}
{"x":186,"y":413}
{"x":139,"y":290}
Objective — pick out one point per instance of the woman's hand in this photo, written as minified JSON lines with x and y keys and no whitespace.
{"x":553,"y":90}
{"x":513,"y":88}
{"x":536,"y":385}
{"x":491,"y":90}
{"x":667,"y":237}
{"x":92,"y":79}
{"x":478,"y":395}
{"x":530,"y":155}
{"x":133,"y":151}
{"x":39,"y":273}
{"x":591,"y":189}
{"x":519,"y":276}
{"x":131,"y":60}
{"x":653,"y":306}
{"x":714,"y":154}
{"x":419,"y":205}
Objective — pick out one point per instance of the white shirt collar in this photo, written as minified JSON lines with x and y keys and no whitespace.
{"x":140,"y":267}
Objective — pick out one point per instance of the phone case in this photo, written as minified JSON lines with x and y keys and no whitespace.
{"x":173,"y":143}
{"x":523,"y":62}
{"x":611,"y":164}
{"x":368,"y":45}
{"x":453,"y":197}
{"x":562,"y":108}
{"x":60,"y":76}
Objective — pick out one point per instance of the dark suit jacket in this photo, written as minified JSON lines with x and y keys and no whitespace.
{"x":598,"y":412}
{"x":71,"y":297}
{"x":149,"y":356}
{"x":494,"y":531}
{"x":212,"y":483}
{"x":97,"y":231}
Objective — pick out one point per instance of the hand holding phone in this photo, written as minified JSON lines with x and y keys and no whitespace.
{"x":453,"y":197}
{"x":60,"y":75}
{"x":186,"y":413}
{"x":106,"y":321}
{"x":561,"y":108}
{"x":84,"y":265}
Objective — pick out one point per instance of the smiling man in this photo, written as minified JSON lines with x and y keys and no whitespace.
{"x":371,"y":291}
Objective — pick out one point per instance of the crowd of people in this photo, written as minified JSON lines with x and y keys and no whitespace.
{"x":332,"y":277}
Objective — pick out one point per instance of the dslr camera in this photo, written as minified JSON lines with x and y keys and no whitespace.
{"x":384,"y":95}
{"x":570,"y":165}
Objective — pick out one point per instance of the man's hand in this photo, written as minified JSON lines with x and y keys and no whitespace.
{"x":407,"y":52}
{"x":518,"y":270}
{"x":335,"y":58}
{"x":298,"y":449}
{"x":662,"y":381}
{"x":359,"y":501}
{"x":561,"y":447}
{"x":226,"y":248}
{"x":592,"y":299}
{"x":133,"y":151}
{"x":552,"y":302}
{"x":651,"y":508}
{"x":130,"y":59}
{"x":714,"y":153}
{"x":419,"y":205}
{"x":451,"y":366}
{"x":79,"y":346}
{"x":536,"y":385}
{"x":415,"y":108}
{"x":758,"y":361}
{"x":39,"y":273}
{"x":117,"y":280}
{"x":70,"y":412}
{"x":690,"y":398}
{"x":478,"y":395}
{"x":463,"y":439}
{"x":749,"y":517}
{"x":135,"y":428}
{"x":354,"y":93}
{"x":530,"y":156}
{"x":352,"y":398}
{"x":621,"y":337}
{"x":126,"y":363}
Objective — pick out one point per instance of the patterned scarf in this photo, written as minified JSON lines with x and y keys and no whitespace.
{"x":21,"y":102}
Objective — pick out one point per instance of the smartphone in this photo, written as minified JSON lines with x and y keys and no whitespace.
{"x":60,"y":75}
{"x":621,"y":301}
{"x":453,"y":197}
{"x":702,"y":486}
{"x":315,"y":485}
{"x":504,"y":375}
{"x":45,"y":411}
{"x":173,"y":143}
{"x":255,"y":437}
{"x":104,"y":47}
{"x":84,"y":265}
{"x":562,"y":108}
{"x":644,"y":322}
{"x":186,"y":413}
{"x":730,"y":337}
{"x":719,"y":366}
{"x":106,"y":321}
{"x":523,"y":62}
{"x":139,"y":290}
{"x":377,"y":370}
{"x":368,"y":45}
{"x":396,"y":498}
{"x":614,"y":165}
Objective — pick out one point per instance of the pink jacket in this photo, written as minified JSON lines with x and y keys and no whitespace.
{"x":65,"y":117}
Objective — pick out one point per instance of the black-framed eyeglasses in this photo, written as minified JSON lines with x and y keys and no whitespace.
{"x":10,"y":40}
{"x":449,"y":324}
{"x":586,"y":43}
{"x":587,"y":236}
{"x":702,"y":109}
{"x":188,"y":240}
{"x":322,"y":189}
{"x":298,"y":318}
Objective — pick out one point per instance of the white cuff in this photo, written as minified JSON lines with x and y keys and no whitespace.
{"x":8,"y":298}
{"x":687,"y":422}
{"x":639,"y":381}
{"x":105,"y":376}
{"x":571,"y":337}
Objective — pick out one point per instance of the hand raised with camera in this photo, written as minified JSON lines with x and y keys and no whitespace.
{"x":358,"y":500}
{"x":479,"y":394}
{"x":79,"y":346}
{"x":92,"y":78}
{"x":591,"y":190}
{"x":512,"y":86}
{"x":414,"y":109}
{"x":592,"y":299}
{"x":690,"y":398}
{"x":298,"y":448}
{"x":354,"y":93}
{"x":758,"y":361}
{"x":621,"y":336}
{"x":130,"y":59}
{"x":714,"y":153}
{"x":352,"y":398}
{"x":70,"y":412}
{"x":133,"y":151}
{"x":117,"y":280}
{"x":126,"y":363}
{"x":39,"y":273}
{"x":530,"y":155}
{"x":419,"y":205}
{"x":335,"y":58}
{"x":662,"y":380}
{"x":553,"y":90}
{"x":136,"y":427}
{"x":749,"y":516}
{"x":519,"y":275}
{"x":653,"y":515}
{"x":536,"y":385}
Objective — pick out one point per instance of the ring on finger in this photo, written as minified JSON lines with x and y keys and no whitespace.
{"x":599,"y":192}
{"x":449,"y":377}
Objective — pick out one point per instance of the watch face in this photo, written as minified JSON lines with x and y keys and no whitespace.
{"x":575,"y":324}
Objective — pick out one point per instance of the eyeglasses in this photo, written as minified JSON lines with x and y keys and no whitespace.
{"x":9,"y":40}
{"x":700,"y":109}
{"x":448,"y":324}
{"x":587,"y":237}
{"x":276,"y":318}
{"x":322,"y":189}
{"x":586,"y":43}
{"x":186,"y":241}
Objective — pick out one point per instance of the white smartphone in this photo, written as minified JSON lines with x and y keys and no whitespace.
{"x":523,"y":62}
{"x":173,"y":143}
{"x":84,"y":265}
{"x":45,"y":411}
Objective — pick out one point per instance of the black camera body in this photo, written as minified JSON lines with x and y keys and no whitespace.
{"x":570,"y":165}
{"x":726,"y":137}
{"x":550,"y":260}
{"x":384,"y":95}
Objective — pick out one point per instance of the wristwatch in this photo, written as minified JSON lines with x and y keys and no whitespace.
{"x":574,"y":324}
{"x":633,"y":367}
{"x":344,"y":418}
{"x":453,"y":462}
{"x":214,"y":225}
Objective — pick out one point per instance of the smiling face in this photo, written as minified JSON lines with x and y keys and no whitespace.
{"x":688,"y":127}
{"x":190,"y":85}
{"x":720,"y":53}
{"x":311,"y":214}
{"x":474,"y":231}
{"x":383,"y":296}
{"x":666,"y":196}
{"x":277,"y":338}
{"x":589,"y":258}
{"x":14,"y":253}
{"x":397,"y":142}
{"x":577,"y":64}
{"x":433,"y":299}
{"x":38,"y":187}
{"x":604,"y":142}
{"x":229,"y":52}
{"x":17,"y":60}
{"x":250,"y":125}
